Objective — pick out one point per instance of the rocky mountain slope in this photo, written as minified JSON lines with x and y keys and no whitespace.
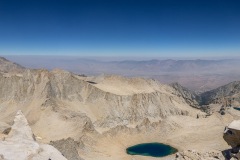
{"x":20,"y":143}
{"x":8,"y":66}
{"x":106,"y":107}
{"x":227,"y":95}
{"x":192,"y":98}
{"x":100,"y":116}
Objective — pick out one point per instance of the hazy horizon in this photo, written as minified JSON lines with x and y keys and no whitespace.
{"x":196,"y":74}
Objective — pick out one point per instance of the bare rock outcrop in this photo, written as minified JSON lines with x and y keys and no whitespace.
{"x":190,"y":97}
{"x":195,"y":155}
{"x":232,"y":137}
{"x":68,"y":148}
{"x":227,"y":95}
{"x":232,"y":134}
{"x":20,"y":144}
{"x":4,"y":127}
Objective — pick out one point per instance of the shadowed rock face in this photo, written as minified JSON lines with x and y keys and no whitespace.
{"x":232,"y":134}
{"x":228,"y":95}
{"x":68,"y":147}
{"x":20,"y":143}
{"x":191,"y":97}
{"x":232,"y":137}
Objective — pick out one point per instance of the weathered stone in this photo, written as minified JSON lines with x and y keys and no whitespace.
{"x":68,"y":147}
{"x":7,"y":130}
{"x":232,"y":134}
{"x":194,"y":155}
{"x":20,"y":144}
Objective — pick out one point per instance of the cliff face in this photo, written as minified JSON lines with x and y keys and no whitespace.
{"x":105,"y":107}
{"x":190,"y":97}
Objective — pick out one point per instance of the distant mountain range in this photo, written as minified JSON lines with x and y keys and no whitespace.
{"x":228,"y":95}
{"x":216,"y":95}
{"x":199,"y":75}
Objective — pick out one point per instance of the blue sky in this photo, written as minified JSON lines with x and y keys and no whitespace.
{"x":164,"y":28}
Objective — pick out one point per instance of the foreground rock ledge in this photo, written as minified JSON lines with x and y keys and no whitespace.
{"x":20,"y":144}
{"x":232,"y":137}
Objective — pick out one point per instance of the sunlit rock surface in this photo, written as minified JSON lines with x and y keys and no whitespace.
{"x":91,"y":118}
{"x":20,"y":144}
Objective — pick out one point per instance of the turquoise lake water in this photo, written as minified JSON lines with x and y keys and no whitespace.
{"x":236,"y":108}
{"x":151,"y":149}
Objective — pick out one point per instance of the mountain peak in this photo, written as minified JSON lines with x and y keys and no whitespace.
{"x":21,"y":127}
{"x":20,"y":144}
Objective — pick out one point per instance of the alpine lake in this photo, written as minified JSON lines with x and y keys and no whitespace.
{"x":151,"y":149}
